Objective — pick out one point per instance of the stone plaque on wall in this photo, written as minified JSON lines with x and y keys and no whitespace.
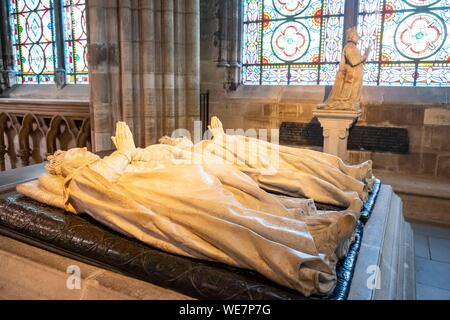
{"x":301,"y":134}
{"x":379,"y":139}
{"x":363,"y":138}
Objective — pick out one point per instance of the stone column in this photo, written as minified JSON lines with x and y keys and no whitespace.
{"x":144,"y":65}
{"x":336,"y":125}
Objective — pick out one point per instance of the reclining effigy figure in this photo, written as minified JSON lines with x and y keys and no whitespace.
{"x":201,"y":210}
{"x":293,"y":172}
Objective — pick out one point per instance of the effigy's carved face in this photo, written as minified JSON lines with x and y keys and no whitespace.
{"x":63,"y":163}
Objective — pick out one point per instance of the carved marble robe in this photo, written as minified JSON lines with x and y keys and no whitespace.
{"x":206,"y":211}
{"x":294,"y":172}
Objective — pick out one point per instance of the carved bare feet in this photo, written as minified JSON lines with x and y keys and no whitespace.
{"x":368,"y":178}
{"x":367,"y":168}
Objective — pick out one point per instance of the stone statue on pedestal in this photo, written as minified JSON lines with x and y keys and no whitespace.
{"x":342,"y":108}
{"x":346,"y":92}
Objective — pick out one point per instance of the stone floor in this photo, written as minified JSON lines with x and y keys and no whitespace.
{"x":432,"y":256}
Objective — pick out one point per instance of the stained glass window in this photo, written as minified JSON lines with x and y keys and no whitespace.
{"x":33,"y":40}
{"x":291,"y":42}
{"x":409,"y":40}
{"x":75,"y":41}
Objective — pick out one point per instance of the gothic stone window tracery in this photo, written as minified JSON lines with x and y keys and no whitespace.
{"x":299,"y":42}
{"x":34,"y":40}
{"x":291,"y":42}
{"x":410,"y":42}
{"x":74,"y":12}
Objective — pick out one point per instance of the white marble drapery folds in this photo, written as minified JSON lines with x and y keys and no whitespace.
{"x":144,"y":67}
{"x":210,"y":212}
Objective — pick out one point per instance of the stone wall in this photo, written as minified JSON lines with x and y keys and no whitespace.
{"x":424,"y":112}
{"x":143,"y":67}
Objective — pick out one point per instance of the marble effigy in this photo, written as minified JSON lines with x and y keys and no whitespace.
{"x":209,"y":212}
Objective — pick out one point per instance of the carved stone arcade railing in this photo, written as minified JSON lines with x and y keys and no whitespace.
{"x":30,"y":131}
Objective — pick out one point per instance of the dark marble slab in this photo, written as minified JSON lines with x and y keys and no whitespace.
{"x":301,"y":134}
{"x":379,"y":139}
{"x":364,"y":138}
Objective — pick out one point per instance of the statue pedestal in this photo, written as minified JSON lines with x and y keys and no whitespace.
{"x":335,"y":124}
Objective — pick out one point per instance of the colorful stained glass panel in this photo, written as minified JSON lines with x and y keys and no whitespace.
{"x":76,"y":54}
{"x":371,"y":72}
{"x":334,"y":7}
{"x":328,"y":73}
{"x":291,"y":41}
{"x":290,"y":8}
{"x":275,"y":75}
{"x":332,"y":39}
{"x":397,"y":75}
{"x":369,"y":27}
{"x":33,"y":40}
{"x":370,"y":6}
{"x":421,"y":3}
{"x":251,"y":75}
{"x":252,"y":10}
{"x":251,"y":43}
{"x":306,"y":74}
{"x":409,"y":39}
{"x":433,"y":75}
